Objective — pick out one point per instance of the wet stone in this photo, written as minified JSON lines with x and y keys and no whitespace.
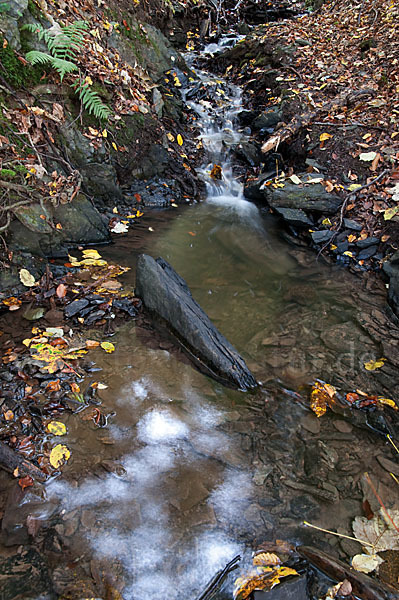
{"x":311,"y":423}
{"x":296,"y":589}
{"x":388,"y":465}
{"x":320,"y":237}
{"x":370,"y":241}
{"x":253,"y":514}
{"x":343,"y":426}
{"x":304,"y":506}
{"x":73,"y":308}
{"x":367,"y":252}
{"x":354,"y":225}
{"x":294,"y":216}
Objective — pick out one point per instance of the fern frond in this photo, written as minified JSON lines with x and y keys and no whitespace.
{"x":35,"y":57}
{"x":92,"y":102}
{"x":63,"y":66}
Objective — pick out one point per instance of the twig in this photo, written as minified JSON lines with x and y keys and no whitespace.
{"x":348,"y":537}
{"x":217,"y":580}
{"x":379,"y":500}
{"x":328,"y":123}
{"x":394,"y":478}
{"x":393,"y":443}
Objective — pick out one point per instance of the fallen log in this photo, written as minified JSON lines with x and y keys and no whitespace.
{"x":168,"y":299}
{"x":363,"y":586}
{"x":11,"y":460}
{"x":298,"y":122}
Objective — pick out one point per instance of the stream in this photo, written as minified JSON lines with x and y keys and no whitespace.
{"x":188,"y":473}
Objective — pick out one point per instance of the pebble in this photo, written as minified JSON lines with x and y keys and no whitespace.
{"x":311,"y":423}
{"x":343,"y":426}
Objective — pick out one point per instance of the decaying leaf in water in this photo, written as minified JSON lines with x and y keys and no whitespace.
{"x":378,"y":531}
{"x":366,"y":563}
{"x":321,"y":396}
{"x":92,"y":344}
{"x":260,"y":579}
{"x":216,"y":172}
{"x":59,"y":455}
{"x":25,"y":482}
{"x":372,"y":365}
{"x":12,"y":303}
{"x":266,"y":559}
{"x":57,"y":428}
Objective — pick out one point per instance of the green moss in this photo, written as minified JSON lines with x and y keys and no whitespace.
{"x":34,"y":10}
{"x":15,"y":72}
{"x":7,"y":174}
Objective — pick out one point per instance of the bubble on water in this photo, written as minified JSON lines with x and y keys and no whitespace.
{"x":159,"y":426}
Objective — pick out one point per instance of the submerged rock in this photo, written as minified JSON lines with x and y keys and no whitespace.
{"x":167,"y":297}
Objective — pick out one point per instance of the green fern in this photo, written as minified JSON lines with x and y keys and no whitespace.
{"x":92,"y":101}
{"x":63,"y":44}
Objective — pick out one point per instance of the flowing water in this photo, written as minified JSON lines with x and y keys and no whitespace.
{"x":187,"y":472}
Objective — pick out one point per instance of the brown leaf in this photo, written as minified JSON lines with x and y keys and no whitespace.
{"x":375,"y":162}
{"x":25,"y":482}
{"x":61,"y":290}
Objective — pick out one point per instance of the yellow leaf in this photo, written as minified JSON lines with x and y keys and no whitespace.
{"x":26,"y":278}
{"x":389,"y":213}
{"x":354,"y":186}
{"x":388,"y":402}
{"x":348,"y":253}
{"x":59,"y":455}
{"x":104,"y":133}
{"x":325,"y":136}
{"x":90,"y":253}
{"x":107,"y":346}
{"x":170,"y":137}
{"x":333,"y":247}
{"x":326,"y":222}
{"x":351,"y":238}
{"x":115,"y":147}
{"x":321,"y":396}
{"x":372,"y":365}
{"x":88,"y":80}
{"x":57,"y":428}
{"x":179,"y":140}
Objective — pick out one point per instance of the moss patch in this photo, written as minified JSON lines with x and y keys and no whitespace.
{"x":15,"y":72}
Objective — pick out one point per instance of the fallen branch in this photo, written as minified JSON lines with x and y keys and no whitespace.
{"x":363,"y":586}
{"x":297,"y":123}
{"x":216,"y":581}
{"x":11,"y":460}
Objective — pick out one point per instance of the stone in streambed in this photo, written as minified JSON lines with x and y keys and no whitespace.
{"x":320,"y":237}
{"x":294,"y":216}
{"x":311,"y":197}
{"x":167,"y":297}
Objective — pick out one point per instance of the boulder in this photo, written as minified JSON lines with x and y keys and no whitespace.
{"x":168,"y":299}
{"x":311,"y":197}
{"x":267,"y":119}
{"x":80,"y":221}
{"x":391,"y":269}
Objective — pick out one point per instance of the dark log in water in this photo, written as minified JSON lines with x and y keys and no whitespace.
{"x":167,"y":297}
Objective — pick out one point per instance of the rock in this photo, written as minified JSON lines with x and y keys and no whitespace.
{"x":370,"y":241}
{"x":249,"y":152}
{"x":74,"y":307}
{"x":24,"y":575}
{"x":321,"y":237}
{"x":351,"y":224}
{"x":167,"y":297}
{"x":343,"y":426}
{"x":294,"y":216}
{"x":367,"y":252}
{"x":252,"y":187}
{"x":157,"y":101}
{"x":309,"y":197}
{"x":311,"y":423}
{"x":80,"y":221}
{"x":391,"y":269}
{"x":314,"y":164}
{"x":388,"y":465}
{"x":295,"y":589}
{"x":267,"y":119}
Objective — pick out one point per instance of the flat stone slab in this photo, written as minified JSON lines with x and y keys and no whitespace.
{"x":167,"y":297}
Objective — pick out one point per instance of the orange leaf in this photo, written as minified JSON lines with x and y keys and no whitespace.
{"x":25,"y":482}
{"x":61,"y":290}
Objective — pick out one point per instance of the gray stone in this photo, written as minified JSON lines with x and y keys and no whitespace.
{"x":267,"y":119}
{"x":252,"y":189}
{"x":295,"y":589}
{"x":388,"y":465}
{"x":167,"y":297}
{"x":311,"y":423}
{"x":367,"y":252}
{"x":320,"y":237}
{"x":351,"y":224}
{"x":157,"y":101}
{"x":370,"y":241}
{"x":294,"y":216}
{"x":343,"y":426}
{"x":310,"y":197}
{"x":249,"y":152}
{"x":80,"y":221}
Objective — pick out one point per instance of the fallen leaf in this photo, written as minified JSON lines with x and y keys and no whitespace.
{"x":179,"y":140}
{"x":216,"y":172}
{"x":59,"y":455}
{"x":379,"y":531}
{"x":325,"y":136}
{"x":8,"y":415}
{"x":389,"y":213}
{"x":266,"y":559}
{"x":56,"y":428}
{"x":320,"y":397}
{"x":90,"y":253}
{"x":26,"y":278}
{"x":295,"y":179}
{"x":387,"y":402}
{"x":25,"y":482}
{"x":372,"y":365}
{"x":92,"y":344}
{"x":170,"y":137}
{"x":367,"y":156}
{"x":107,"y":346}
{"x":366,"y":563}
